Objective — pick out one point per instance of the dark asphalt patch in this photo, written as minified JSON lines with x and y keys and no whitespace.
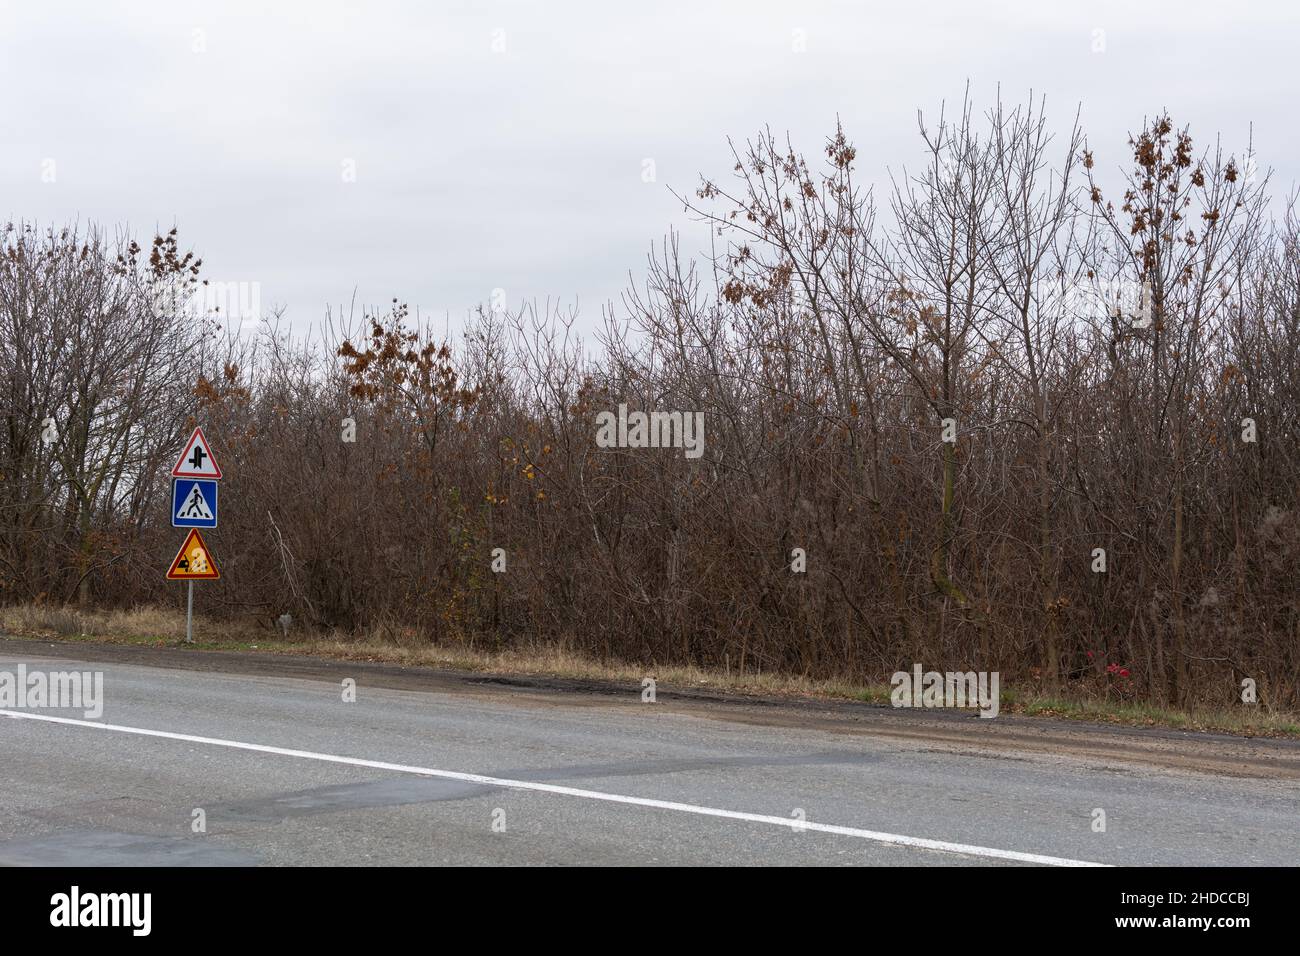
{"x":108,"y":848}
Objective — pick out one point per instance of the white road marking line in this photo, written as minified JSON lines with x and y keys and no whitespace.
{"x":789,"y":823}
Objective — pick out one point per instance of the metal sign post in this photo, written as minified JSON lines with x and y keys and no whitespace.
{"x":194,"y":505}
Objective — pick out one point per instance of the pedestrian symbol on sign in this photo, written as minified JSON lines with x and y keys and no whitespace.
{"x":194,"y":503}
{"x":195,"y":506}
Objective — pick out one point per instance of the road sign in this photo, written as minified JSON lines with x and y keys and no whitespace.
{"x":194,"y":503}
{"x":193,"y":562}
{"x":196,"y":460}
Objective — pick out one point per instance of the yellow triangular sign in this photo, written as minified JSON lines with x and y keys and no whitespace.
{"x":193,"y":561}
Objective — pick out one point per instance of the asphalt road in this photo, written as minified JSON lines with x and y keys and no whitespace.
{"x":458,"y":772}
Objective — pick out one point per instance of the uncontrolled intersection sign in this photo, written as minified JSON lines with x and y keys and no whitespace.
{"x":196,"y":460}
{"x":194,"y":506}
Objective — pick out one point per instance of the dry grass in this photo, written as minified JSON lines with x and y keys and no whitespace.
{"x":39,"y":620}
{"x":155,"y":626}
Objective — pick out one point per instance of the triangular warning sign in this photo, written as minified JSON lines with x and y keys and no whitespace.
{"x":195,"y":506}
{"x":196,"y":460}
{"x":193,"y":562}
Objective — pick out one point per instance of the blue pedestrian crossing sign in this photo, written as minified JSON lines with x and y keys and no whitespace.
{"x":194,"y":503}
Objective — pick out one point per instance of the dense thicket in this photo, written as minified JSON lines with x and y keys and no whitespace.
{"x":1117,"y":372}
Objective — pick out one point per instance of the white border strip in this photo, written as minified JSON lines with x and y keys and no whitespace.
{"x":893,"y":839}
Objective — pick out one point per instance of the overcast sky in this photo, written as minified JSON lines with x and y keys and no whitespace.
{"x":504,"y":145}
